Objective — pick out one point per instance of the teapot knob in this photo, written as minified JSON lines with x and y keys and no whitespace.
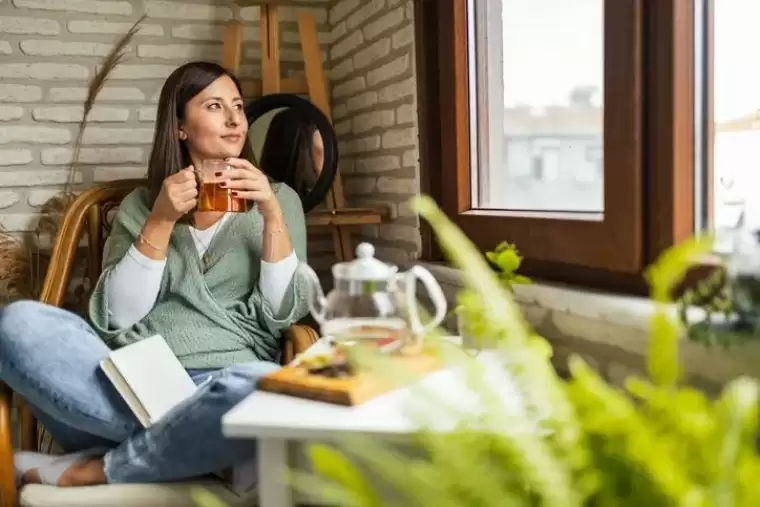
{"x":365,"y":250}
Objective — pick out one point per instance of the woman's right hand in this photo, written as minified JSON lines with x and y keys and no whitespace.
{"x":178,"y":195}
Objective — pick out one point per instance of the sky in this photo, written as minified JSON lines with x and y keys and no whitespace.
{"x":545,"y":57}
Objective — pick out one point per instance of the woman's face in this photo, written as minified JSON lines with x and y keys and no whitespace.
{"x":215,"y":125}
{"x":317,"y":152}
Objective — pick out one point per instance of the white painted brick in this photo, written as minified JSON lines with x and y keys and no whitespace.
{"x":8,"y":113}
{"x":73,"y":114}
{"x":15,"y":157}
{"x":411,"y":158}
{"x":8,"y":198}
{"x":58,"y":48}
{"x":393,"y":3}
{"x":342,"y":127}
{"x":111,"y":27}
{"x":249,"y":13}
{"x":389,"y":185}
{"x":124,"y":155}
{"x":363,"y":101}
{"x":115,"y":136}
{"x":5,"y":48}
{"x":378,"y":164}
{"x":179,"y":51}
{"x":403,"y":37}
{"x":201,"y":32}
{"x":360,"y":145}
{"x":372,"y":53}
{"x":147,"y":114}
{"x":177,"y":10}
{"x":292,"y":37}
{"x":87,"y":6}
{"x":36,"y":198}
{"x":36,"y":177}
{"x":367,"y":10}
{"x":34,"y":135}
{"x":28,"y":26}
{"x":290,"y":14}
{"x":347,"y":45}
{"x":118,"y":173}
{"x":398,"y":91}
{"x":350,"y":87}
{"x":108,"y":93}
{"x":383,"y":23}
{"x":341,"y":9}
{"x":360,"y":186}
{"x":43,"y":71}
{"x":20,"y":93}
{"x":338,"y":31}
{"x":339,"y":111}
{"x":400,"y":138}
{"x":138,"y":72}
{"x":409,"y":11}
{"x":406,"y":113}
{"x":19,"y":222}
{"x":342,"y":69}
{"x":372,"y":120}
{"x":389,"y":71}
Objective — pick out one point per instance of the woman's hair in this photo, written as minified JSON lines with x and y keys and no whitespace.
{"x":286,"y":155}
{"x":168,"y":154}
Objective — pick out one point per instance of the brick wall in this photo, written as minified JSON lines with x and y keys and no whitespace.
{"x":375,"y":114}
{"x":49,"y":49}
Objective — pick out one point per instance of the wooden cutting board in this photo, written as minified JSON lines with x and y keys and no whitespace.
{"x":349,"y":391}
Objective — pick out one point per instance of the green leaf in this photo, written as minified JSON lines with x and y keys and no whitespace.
{"x":334,"y":465}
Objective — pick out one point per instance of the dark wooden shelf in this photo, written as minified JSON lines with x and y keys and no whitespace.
{"x":348,"y":216}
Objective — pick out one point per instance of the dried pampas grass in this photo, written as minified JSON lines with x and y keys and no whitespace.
{"x":20,"y":272}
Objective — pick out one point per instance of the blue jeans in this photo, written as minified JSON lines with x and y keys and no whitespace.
{"x":51,"y":358}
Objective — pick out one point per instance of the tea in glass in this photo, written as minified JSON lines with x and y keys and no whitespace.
{"x":211,"y":195}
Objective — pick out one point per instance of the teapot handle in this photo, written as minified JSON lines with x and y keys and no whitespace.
{"x":436,"y":296}
{"x":317,"y":300}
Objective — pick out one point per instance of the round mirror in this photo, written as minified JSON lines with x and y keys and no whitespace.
{"x":294,"y":143}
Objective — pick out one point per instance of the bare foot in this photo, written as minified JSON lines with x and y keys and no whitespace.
{"x":87,"y":472}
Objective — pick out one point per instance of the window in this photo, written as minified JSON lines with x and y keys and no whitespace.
{"x":729,"y":103}
{"x":564,"y":127}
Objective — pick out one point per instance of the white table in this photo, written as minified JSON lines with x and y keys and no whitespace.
{"x":275,"y":420}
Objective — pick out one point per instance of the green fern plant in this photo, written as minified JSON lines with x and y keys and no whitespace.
{"x":575,"y":443}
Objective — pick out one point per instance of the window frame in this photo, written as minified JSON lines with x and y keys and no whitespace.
{"x":646,"y":210}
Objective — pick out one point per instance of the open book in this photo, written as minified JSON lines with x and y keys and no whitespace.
{"x":149,"y":377}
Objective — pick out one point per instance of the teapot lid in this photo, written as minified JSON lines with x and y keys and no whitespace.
{"x":364,"y":267}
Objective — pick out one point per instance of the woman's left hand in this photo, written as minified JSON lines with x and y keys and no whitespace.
{"x":248,"y":182}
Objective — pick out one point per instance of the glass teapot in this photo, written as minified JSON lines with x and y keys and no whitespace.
{"x":374,"y":303}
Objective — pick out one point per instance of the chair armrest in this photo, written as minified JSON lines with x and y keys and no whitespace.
{"x":297,"y":339}
{"x":7,"y":473}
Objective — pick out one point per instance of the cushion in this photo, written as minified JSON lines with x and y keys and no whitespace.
{"x":130,"y":495}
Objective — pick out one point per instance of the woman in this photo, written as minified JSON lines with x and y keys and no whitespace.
{"x":222,"y":318}
{"x":293,"y":152}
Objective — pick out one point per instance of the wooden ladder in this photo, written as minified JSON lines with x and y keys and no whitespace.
{"x":336,"y":215}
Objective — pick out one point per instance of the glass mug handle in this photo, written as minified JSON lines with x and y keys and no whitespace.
{"x":418,"y":330}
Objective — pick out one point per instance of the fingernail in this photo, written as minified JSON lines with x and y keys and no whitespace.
{"x":223,"y":185}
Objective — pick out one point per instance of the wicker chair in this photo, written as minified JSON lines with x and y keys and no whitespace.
{"x":90,"y":215}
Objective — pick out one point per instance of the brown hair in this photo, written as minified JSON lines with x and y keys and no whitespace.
{"x":168,"y":154}
{"x":286,"y":155}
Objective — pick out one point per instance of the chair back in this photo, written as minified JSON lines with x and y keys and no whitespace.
{"x":90,"y":217}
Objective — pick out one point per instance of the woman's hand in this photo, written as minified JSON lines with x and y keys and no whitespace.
{"x":248,"y":182}
{"x":178,"y":195}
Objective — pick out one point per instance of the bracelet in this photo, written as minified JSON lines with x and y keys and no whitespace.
{"x":143,"y":240}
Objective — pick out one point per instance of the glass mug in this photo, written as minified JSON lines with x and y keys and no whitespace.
{"x":211,"y":195}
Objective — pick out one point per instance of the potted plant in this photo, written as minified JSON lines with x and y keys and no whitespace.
{"x":654,"y":443}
